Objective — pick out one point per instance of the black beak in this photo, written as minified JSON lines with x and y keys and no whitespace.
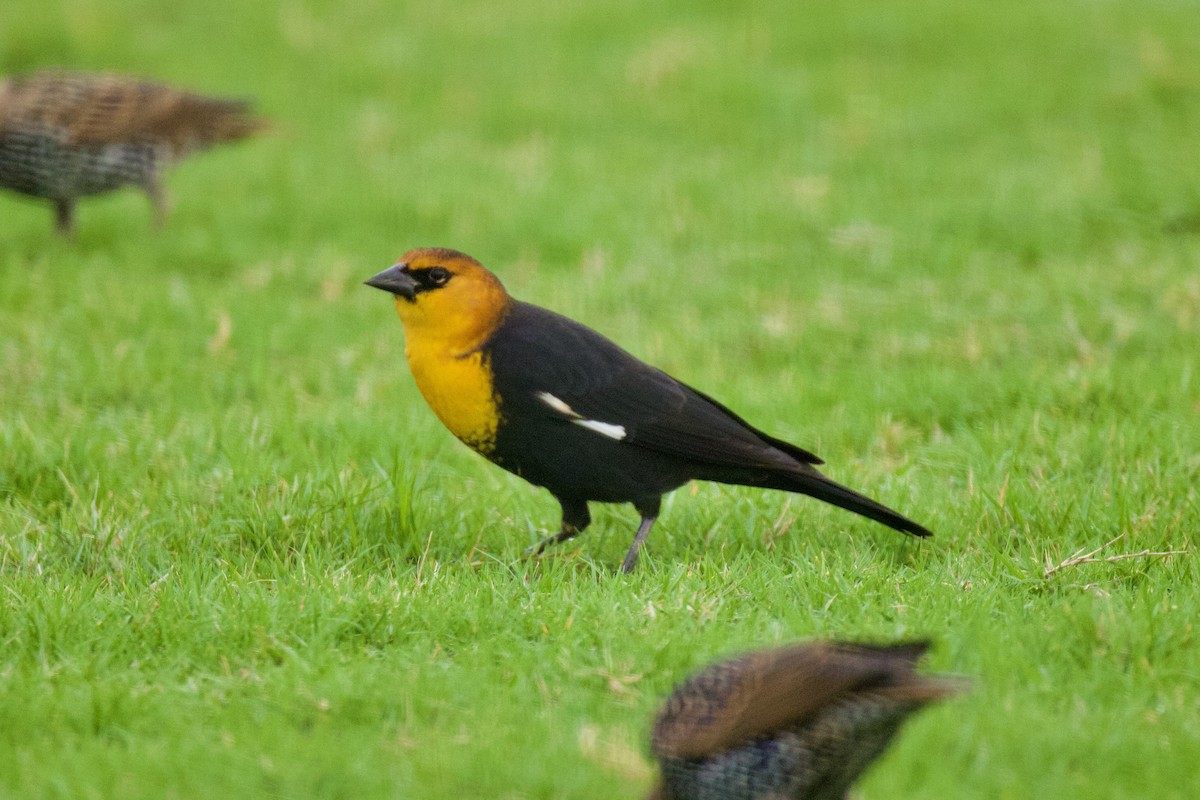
{"x":394,"y":279}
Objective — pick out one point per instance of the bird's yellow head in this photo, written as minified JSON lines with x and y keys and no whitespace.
{"x":445,"y":296}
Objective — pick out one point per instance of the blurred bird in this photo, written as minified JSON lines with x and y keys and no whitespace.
{"x":565,"y":408}
{"x":66,"y":135}
{"x":795,"y":723}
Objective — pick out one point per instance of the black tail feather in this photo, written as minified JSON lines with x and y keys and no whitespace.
{"x":816,"y":485}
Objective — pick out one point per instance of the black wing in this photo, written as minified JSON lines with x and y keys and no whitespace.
{"x":536,"y":353}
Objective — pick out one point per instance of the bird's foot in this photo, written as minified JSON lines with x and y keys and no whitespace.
{"x":561,"y":536}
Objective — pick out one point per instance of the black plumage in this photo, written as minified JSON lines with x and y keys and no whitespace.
{"x":669,"y":433}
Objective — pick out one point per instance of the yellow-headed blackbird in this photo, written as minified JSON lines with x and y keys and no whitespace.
{"x":565,"y":408}
{"x":66,"y":135}
{"x":800,"y":722}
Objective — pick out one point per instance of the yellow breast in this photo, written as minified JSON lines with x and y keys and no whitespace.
{"x":458,"y":387}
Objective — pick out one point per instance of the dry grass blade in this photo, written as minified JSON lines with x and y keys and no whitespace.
{"x":1092,"y":557}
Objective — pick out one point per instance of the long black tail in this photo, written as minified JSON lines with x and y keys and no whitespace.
{"x":816,"y":485}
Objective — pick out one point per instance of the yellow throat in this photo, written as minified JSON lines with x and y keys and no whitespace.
{"x":443,"y":345}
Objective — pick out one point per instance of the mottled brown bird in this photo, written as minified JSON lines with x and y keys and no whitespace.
{"x":66,"y":135}
{"x":798,"y":723}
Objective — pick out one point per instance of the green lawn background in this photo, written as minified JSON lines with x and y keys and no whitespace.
{"x":954,"y":248}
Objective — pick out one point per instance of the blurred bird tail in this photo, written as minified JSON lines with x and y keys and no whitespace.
{"x":896,"y":665}
{"x":195,"y":122}
{"x":921,"y":689}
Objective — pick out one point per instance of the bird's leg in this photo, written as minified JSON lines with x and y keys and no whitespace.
{"x":575,"y":518}
{"x":64,"y":218}
{"x":158,"y":202}
{"x":631,"y":558}
{"x":649,"y":510}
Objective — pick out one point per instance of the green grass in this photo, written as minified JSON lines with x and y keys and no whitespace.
{"x":952,"y":247}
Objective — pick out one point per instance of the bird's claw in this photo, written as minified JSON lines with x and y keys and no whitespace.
{"x":540,"y":547}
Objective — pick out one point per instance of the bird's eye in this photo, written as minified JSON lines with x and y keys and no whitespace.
{"x":438,"y":276}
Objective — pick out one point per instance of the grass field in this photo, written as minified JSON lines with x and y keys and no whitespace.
{"x":952,"y":247}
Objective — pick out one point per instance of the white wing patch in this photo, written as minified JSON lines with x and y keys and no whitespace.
{"x":603,"y":428}
{"x":556,"y":404}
